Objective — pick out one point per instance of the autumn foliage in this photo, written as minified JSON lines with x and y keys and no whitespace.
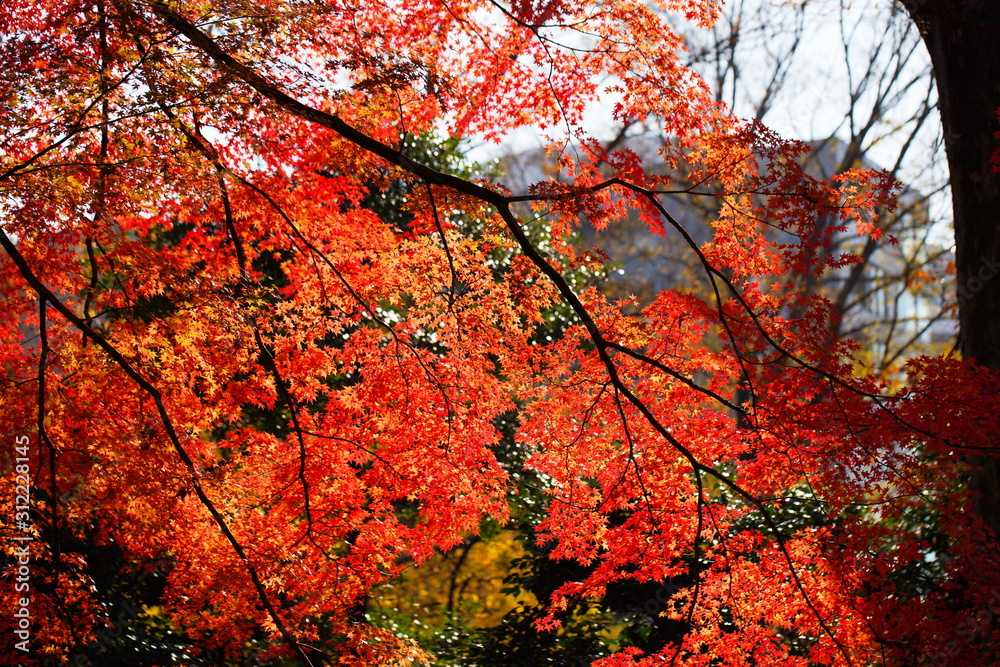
{"x":236,"y":370}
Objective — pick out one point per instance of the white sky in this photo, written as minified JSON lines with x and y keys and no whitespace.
{"x":814,"y":101}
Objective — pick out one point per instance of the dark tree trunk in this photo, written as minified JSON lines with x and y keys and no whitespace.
{"x":963,"y":38}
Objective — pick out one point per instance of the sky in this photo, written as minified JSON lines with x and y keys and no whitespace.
{"x":823,"y":50}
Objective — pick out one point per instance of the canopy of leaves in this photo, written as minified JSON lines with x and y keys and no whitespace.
{"x":266,"y":348}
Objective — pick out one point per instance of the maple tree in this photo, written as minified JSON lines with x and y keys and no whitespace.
{"x":241,"y":373}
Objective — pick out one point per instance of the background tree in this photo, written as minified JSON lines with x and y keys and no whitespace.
{"x":854,"y":82}
{"x":961,"y":39}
